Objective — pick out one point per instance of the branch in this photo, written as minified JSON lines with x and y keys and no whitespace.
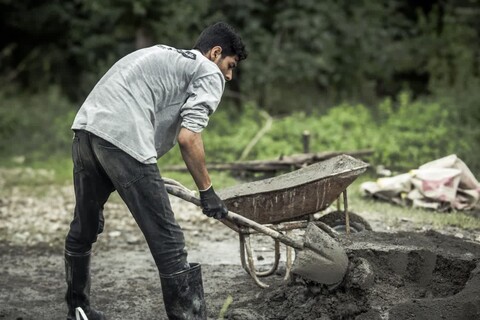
{"x":258,"y":136}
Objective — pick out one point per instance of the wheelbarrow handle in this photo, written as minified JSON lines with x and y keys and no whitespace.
{"x":183,"y":193}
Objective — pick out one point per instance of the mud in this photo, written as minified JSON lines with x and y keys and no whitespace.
{"x":400,"y":275}
{"x":392,"y":276}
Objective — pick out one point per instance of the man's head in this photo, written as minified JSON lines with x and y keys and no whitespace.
{"x":221,"y":44}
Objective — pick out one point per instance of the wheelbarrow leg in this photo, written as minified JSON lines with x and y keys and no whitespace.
{"x":347,"y":216}
{"x":289,"y":262}
{"x":275,"y":262}
{"x":243,"y":239}
{"x":242,"y":252}
{"x":250,"y":266}
{"x":345,"y":210}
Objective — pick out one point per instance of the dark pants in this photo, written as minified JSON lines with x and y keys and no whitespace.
{"x":101,"y":168}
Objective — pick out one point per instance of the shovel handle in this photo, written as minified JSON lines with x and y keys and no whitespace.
{"x":236,"y":218}
{"x":183,"y":193}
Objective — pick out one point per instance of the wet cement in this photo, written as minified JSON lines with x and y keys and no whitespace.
{"x":392,"y":276}
{"x":317,"y":171}
{"x":294,"y":194}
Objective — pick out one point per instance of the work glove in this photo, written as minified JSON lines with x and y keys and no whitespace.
{"x":212,"y":205}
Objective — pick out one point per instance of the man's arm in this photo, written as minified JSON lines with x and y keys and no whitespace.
{"x":193,"y":153}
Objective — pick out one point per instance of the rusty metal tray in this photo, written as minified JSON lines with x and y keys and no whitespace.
{"x":294,"y":194}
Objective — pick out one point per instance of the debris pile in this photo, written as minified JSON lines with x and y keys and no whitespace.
{"x":443,"y":184}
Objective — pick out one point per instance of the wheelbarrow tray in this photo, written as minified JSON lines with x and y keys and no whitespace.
{"x":294,"y":194}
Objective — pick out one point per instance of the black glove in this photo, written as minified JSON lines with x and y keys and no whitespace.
{"x":212,"y":205}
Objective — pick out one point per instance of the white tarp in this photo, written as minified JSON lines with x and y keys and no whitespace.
{"x":442,"y":184}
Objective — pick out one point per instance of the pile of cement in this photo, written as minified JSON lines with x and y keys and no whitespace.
{"x":392,"y":276}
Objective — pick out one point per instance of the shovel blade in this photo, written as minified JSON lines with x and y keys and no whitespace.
{"x":322,"y":260}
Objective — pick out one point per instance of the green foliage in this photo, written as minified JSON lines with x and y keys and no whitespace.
{"x":229,"y":133}
{"x":303,"y":53}
{"x":403,"y":133}
{"x":35,"y":126}
{"x":305,"y":57}
{"x":301,"y":48}
{"x":463,"y":105}
{"x":414,"y":133}
{"x":340,"y":129}
{"x":72,"y":43}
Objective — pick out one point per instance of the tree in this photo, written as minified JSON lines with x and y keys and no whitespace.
{"x":304,"y":54}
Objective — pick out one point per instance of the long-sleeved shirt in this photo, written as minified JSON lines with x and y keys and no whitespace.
{"x":141,"y":103}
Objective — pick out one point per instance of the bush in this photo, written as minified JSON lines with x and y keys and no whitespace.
{"x":413,"y":133}
{"x":403,"y":134}
{"x":464,"y":106}
{"x":340,"y":129}
{"x":35,"y":126}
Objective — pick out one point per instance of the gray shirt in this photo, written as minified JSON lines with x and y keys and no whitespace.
{"x":141,"y":103}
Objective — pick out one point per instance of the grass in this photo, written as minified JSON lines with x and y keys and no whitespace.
{"x":17,"y":172}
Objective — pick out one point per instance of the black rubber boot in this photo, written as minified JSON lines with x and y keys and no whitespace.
{"x":183,"y":294}
{"x":77,"y":271}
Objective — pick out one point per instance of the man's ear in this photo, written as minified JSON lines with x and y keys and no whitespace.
{"x":215,"y":54}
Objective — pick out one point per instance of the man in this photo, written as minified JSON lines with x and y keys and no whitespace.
{"x":146,"y":103}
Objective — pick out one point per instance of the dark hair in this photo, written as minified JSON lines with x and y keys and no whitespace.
{"x":223,"y":35}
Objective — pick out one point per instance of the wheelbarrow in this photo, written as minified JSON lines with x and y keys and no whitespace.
{"x":291,"y":201}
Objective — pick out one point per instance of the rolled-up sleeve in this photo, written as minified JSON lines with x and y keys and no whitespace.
{"x":204,"y":95}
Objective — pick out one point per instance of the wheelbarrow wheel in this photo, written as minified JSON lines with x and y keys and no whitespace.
{"x":336,"y":220}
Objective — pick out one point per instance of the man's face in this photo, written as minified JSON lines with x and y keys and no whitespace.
{"x":226,"y":65}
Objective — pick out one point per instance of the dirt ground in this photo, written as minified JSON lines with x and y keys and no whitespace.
{"x":403,"y":274}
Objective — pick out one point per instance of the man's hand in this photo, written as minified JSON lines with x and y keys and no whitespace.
{"x":212,"y":205}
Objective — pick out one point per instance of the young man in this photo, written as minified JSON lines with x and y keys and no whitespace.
{"x":146,"y":103}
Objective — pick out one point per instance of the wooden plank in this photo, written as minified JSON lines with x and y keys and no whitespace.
{"x":284,"y":163}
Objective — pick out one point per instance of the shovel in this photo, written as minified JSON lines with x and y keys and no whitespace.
{"x":319,"y":257}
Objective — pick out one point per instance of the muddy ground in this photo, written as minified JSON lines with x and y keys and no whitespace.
{"x":403,"y":274}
